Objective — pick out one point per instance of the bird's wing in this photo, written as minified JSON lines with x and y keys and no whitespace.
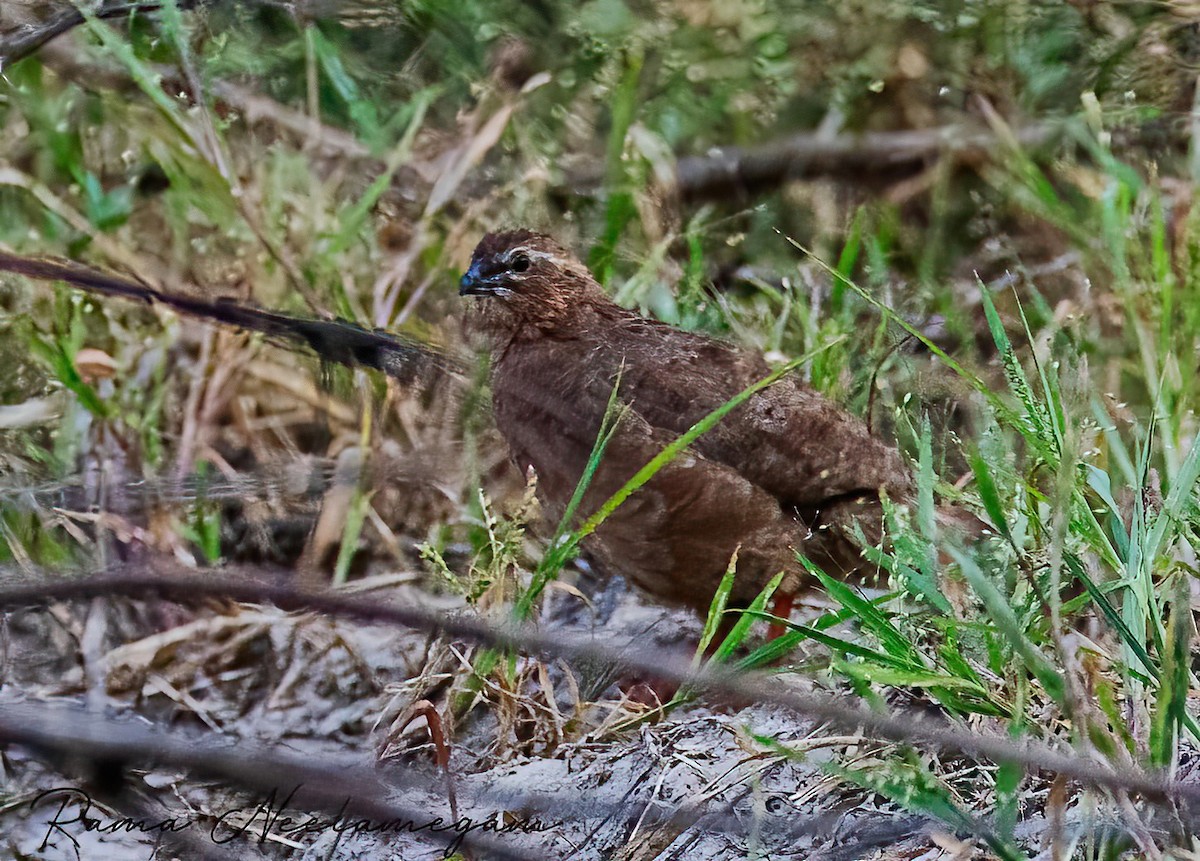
{"x":675,"y":535}
{"x":791,"y":441}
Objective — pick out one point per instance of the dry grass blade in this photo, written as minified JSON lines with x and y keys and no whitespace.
{"x":437,"y":734}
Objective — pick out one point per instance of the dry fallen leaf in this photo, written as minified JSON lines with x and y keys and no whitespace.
{"x":94,"y":364}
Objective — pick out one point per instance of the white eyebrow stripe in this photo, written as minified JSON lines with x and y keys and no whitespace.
{"x":533,"y":255}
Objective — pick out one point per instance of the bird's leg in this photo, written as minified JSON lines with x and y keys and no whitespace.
{"x":781,"y":606}
{"x":652,"y":692}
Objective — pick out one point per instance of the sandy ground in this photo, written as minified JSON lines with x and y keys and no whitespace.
{"x":699,"y":784}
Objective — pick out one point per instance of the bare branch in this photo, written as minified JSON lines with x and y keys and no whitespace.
{"x":26,"y":39}
{"x":340,"y":788}
{"x":745,"y":171}
{"x":339,"y":341}
{"x":729,"y":683}
{"x":345,"y":786}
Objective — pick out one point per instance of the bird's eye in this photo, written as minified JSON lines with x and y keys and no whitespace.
{"x":520,"y":263}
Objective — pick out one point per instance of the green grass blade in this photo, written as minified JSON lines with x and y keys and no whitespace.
{"x":1033,"y":428}
{"x":747,"y":618}
{"x":561,"y":548}
{"x":1183,"y":485}
{"x":989,"y":494}
{"x":677,"y":447}
{"x":799,"y":633}
{"x":925,"y":480}
{"x":1005,"y":620}
{"x":716,"y":609}
{"x":910,"y":784}
{"x":1170,"y":706}
{"x":1134,"y":644}
{"x":901,"y":678}
{"x":873,"y":619}
{"x":974,"y":380}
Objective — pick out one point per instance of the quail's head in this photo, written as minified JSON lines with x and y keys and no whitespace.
{"x":524,"y":281}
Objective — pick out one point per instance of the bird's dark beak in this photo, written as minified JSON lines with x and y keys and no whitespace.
{"x":472,"y":285}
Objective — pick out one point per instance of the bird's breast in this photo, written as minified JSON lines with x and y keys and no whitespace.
{"x":545,"y":406}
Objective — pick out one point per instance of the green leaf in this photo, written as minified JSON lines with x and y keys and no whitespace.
{"x":1034,"y":427}
{"x":847,"y":261}
{"x":894,"y":642}
{"x":1170,"y":706}
{"x":62,"y":365}
{"x":716,"y":610}
{"x":1005,"y":620}
{"x":621,"y":208}
{"x":910,"y":784}
{"x":797,"y":634}
{"x":925,"y":519}
{"x":745,"y":619}
{"x":106,"y":210}
{"x":362,"y":112}
{"x":351,"y":530}
{"x":985,"y":483}
{"x":1134,"y":644}
{"x":909,"y":678}
{"x":1008,"y":798}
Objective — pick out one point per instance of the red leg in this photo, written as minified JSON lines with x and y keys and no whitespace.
{"x":781,"y":606}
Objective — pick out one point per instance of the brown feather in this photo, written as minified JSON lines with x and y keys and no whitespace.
{"x":787,"y":471}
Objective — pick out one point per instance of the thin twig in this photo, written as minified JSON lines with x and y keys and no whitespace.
{"x":27,"y":39}
{"x":340,"y":785}
{"x":724,"y":682}
{"x":744,"y":171}
{"x":339,"y":341}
